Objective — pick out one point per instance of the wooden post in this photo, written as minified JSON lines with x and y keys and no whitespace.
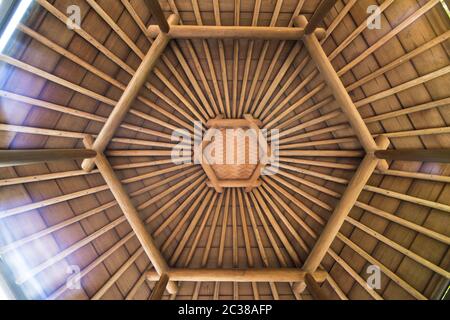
{"x":230,"y":32}
{"x":436,"y":155}
{"x":318,"y":16}
{"x":238,"y":275}
{"x":129,"y":95}
{"x":9,"y":158}
{"x":160,"y":287}
{"x":157,"y":12}
{"x":131,"y":214}
{"x":341,"y":211}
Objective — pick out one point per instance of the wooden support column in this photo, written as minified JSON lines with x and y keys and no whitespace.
{"x":129,"y":95}
{"x":239,"y":275}
{"x":131,"y":214}
{"x":340,"y":93}
{"x":9,"y":158}
{"x":157,"y":12}
{"x":160,"y":287}
{"x":341,"y":211}
{"x":436,"y":155}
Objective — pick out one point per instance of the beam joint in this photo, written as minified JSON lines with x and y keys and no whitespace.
{"x":156,"y":10}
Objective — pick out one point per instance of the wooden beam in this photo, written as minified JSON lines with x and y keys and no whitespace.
{"x":238,"y":275}
{"x":234,"y":184}
{"x":248,"y":122}
{"x":436,"y":155}
{"x":160,"y":287}
{"x":322,"y":153}
{"x":157,"y":12}
{"x":275,"y":58}
{"x":230,"y":32}
{"x":341,"y":211}
{"x":131,"y":214}
{"x":318,"y":16}
{"x":138,"y":285}
{"x":222,"y":60}
{"x":130,"y":94}
{"x":314,"y":288}
{"x":10,"y":158}
{"x":341,"y":95}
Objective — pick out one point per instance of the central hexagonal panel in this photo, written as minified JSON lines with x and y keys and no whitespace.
{"x":234,"y":153}
{"x":242,"y":156}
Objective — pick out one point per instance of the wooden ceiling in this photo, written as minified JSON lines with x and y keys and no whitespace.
{"x":59,"y":85}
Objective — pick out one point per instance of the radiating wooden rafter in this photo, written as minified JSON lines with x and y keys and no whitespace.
{"x":308,"y":143}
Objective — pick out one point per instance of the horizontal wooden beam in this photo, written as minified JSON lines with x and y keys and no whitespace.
{"x":10,"y":158}
{"x":230,"y":32}
{"x":238,"y":275}
{"x":157,"y":12}
{"x":432,"y":155}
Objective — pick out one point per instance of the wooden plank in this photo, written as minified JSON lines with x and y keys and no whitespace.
{"x":436,"y":155}
{"x":10,"y":158}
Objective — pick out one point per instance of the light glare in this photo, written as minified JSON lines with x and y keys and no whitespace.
{"x":12,"y":24}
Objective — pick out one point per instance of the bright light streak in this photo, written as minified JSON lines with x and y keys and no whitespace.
{"x":4,"y":292}
{"x":12,"y":24}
